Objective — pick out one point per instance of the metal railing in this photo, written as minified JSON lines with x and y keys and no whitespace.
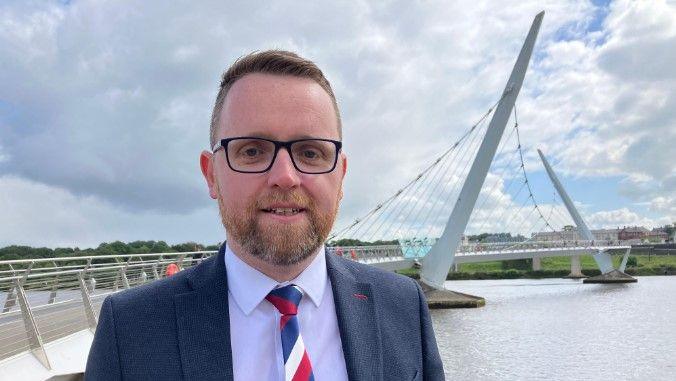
{"x":415,"y":250}
{"x":45,"y":299}
{"x":368,"y":254}
{"x":506,"y":247}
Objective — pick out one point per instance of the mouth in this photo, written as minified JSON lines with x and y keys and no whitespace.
{"x":284,"y":211}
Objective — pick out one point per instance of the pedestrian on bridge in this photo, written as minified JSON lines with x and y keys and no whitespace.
{"x":272,"y":305}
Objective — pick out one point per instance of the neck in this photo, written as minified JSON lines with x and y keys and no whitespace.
{"x":280,"y":273}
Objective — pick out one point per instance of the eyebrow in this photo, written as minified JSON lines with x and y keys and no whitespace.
{"x":266,"y":135}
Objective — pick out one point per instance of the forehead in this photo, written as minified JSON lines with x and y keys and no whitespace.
{"x":279,"y":107}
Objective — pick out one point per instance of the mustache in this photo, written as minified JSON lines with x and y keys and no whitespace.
{"x":296,"y":198}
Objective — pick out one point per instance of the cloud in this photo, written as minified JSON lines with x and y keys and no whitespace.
{"x":614,"y":98}
{"x":623,"y":217}
{"x":41,"y":215}
{"x":3,"y":156}
{"x":110,"y":101}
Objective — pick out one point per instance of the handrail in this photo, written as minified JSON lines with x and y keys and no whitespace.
{"x":78,"y":271}
{"x":38,"y":260}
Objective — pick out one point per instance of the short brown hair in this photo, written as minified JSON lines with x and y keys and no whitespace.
{"x":279,"y":62}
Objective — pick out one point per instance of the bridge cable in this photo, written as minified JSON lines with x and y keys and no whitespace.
{"x":401,"y":192}
{"x":408,"y":185}
{"x":470,"y":144}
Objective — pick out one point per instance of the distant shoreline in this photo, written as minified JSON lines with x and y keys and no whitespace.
{"x":557,"y":267}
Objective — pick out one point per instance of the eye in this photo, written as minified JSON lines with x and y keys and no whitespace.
{"x":310,"y":154}
{"x":310,"y":151}
{"x":252,"y":152}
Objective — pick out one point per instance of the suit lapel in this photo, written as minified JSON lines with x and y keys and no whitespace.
{"x":357,"y":322}
{"x":203,"y":323}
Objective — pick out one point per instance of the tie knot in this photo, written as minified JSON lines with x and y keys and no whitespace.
{"x":285,"y":299}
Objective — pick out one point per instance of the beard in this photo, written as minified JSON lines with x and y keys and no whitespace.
{"x":278,"y":244}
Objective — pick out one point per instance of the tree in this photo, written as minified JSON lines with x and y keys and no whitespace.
{"x":119,"y":247}
{"x":669,"y":229}
{"x":187,"y":246}
{"x":631,"y":261}
{"x":346,"y":242}
{"x":63,"y":252}
{"x":161,"y":247}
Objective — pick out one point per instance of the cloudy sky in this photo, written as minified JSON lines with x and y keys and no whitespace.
{"x":105,"y":105}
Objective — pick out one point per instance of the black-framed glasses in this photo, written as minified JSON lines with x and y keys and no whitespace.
{"x":256,"y":155}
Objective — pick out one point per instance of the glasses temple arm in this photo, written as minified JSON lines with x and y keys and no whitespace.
{"x":216,"y":147}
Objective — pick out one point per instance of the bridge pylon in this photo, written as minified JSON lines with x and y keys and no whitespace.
{"x":440,"y":258}
{"x":603,"y":260}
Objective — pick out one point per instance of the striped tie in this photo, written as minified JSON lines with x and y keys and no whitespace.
{"x":297,"y":365}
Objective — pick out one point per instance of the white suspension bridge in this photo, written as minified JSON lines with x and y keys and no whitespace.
{"x":480,"y":182}
{"x":472,"y":172}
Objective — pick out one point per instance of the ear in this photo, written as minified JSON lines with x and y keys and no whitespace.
{"x":343,"y":159}
{"x":207,"y":166}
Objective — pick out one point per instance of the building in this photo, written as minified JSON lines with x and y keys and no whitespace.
{"x":632,"y":233}
{"x":570,"y":233}
{"x":658,"y":235}
{"x":606,"y":234}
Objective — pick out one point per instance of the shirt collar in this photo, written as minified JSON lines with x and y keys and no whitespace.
{"x":249,"y":286}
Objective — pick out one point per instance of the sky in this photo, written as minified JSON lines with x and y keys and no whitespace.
{"x":105,"y":105}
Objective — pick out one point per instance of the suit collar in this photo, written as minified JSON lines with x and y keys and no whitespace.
{"x":209,"y":273}
{"x":247,"y":286}
{"x":203,"y":322}
{"x":357,"y":321}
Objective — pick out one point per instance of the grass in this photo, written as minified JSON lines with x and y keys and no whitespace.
{"x":556,"y":267}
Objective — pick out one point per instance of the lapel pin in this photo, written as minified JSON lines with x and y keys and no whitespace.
{"x":361,"y":296}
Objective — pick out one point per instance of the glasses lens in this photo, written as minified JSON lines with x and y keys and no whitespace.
{"x":314,"y":156}
{"x":250,"y":154}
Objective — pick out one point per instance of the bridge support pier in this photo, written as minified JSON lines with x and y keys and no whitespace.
{"x":575,"y":268}
{"x":614,"y":276}
{"x":537,"y":264}
{"x":444,"y":299}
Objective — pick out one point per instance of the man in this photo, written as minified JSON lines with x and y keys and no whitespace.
{"x":272,"y":305}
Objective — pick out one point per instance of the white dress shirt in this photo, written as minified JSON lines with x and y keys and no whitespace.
{"x":254,"y":322}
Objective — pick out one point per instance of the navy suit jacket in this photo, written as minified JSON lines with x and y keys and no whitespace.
{"x":178,"y":328}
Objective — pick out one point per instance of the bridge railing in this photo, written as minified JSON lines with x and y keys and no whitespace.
{"x":385,"y":253}
{"x":44,"y":299}
{"x":497,"y":247}
{"x":369,"y":254}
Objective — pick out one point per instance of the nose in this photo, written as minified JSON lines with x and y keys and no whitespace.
{"x":283,"y":174}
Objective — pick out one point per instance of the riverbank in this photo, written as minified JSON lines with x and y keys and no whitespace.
{"x":555,"y":267}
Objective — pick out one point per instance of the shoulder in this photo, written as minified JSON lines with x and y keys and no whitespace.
{"x":145,"y":316}
{"x":382,"y":281}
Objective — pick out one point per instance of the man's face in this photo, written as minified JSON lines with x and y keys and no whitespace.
{"x":279,"y":108}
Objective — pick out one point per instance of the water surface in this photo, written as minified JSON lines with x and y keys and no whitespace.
{"x":560,"y":329}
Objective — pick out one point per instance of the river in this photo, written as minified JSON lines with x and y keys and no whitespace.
{"x":559,"y":329}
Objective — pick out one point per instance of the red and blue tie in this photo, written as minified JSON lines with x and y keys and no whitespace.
{"x":297,"y":365}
